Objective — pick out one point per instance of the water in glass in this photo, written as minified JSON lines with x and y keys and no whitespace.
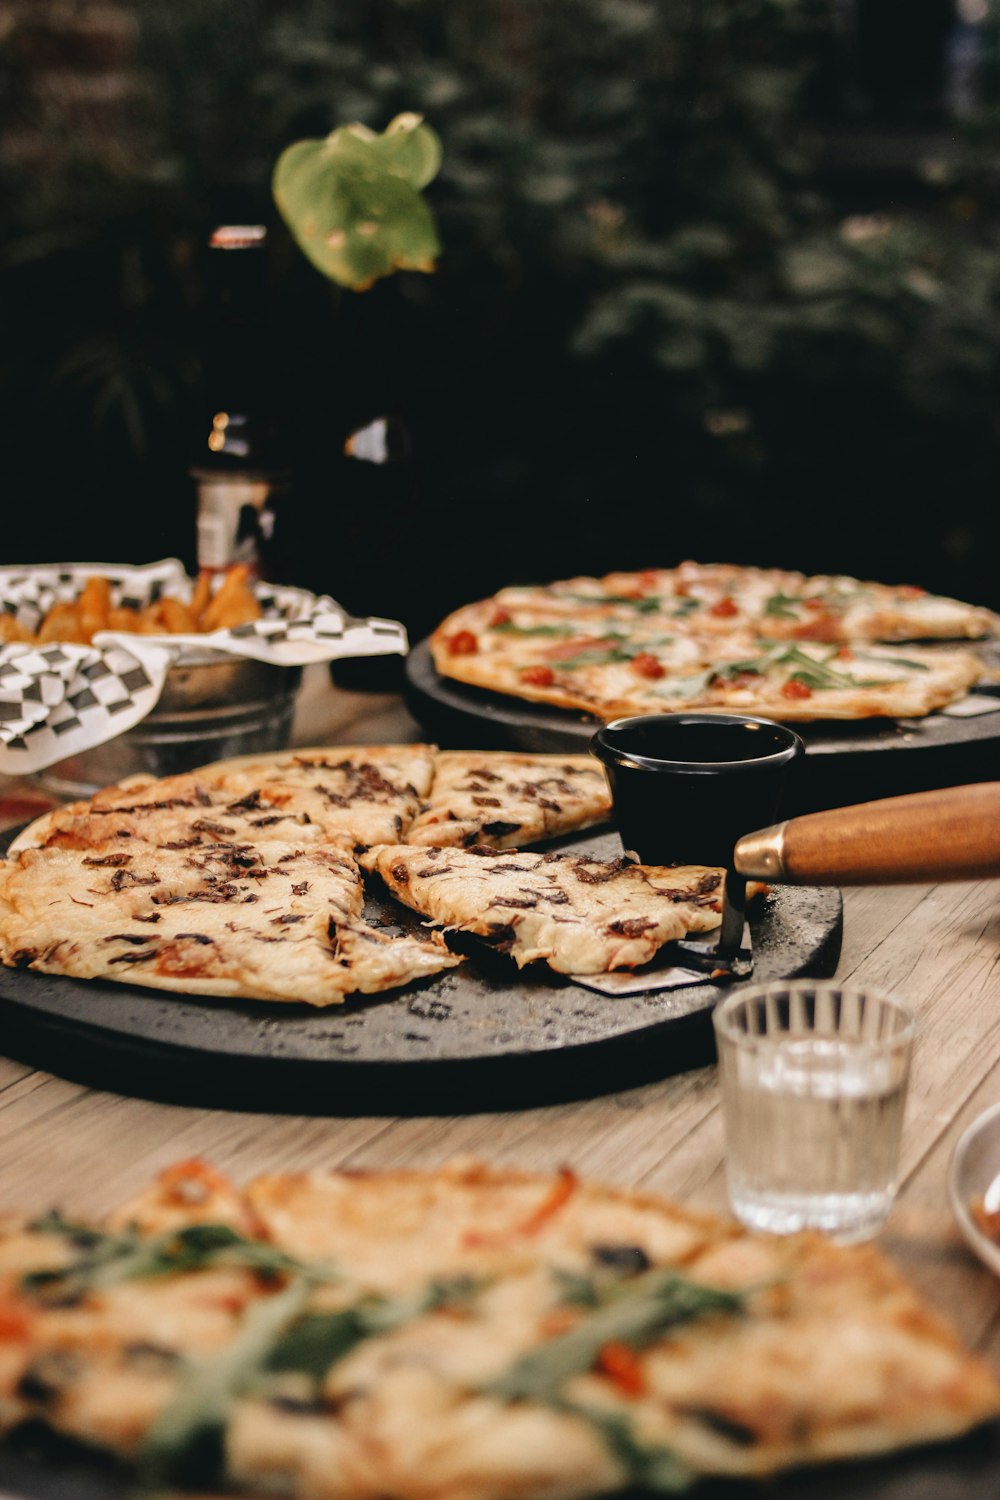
{"x":813,"y":1126}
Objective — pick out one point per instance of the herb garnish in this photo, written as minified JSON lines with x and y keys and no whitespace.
{"x":646,"y":1307}
{"x":318,"y":1340}
{"x":634,"y":1313}
{"x":186,"y":1442}
{"x":647,"y":604}
{"x":510,"y":627}
{"x":784,"y":606}
{"x":646,"y":1467}
{"x":107,"y":1259}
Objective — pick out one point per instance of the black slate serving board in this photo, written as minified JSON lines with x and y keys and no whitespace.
{"x":482,"y":1037}
{"x":844,"y":763}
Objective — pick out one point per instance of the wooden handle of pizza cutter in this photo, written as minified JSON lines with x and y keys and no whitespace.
{"x":952,"y":834}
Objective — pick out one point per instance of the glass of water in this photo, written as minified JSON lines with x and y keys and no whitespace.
{"x":814,"y":1079}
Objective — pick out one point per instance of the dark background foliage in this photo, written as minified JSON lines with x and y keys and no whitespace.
{"x":721,"y":279}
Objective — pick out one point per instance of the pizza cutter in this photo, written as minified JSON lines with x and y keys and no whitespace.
{"x":949,"y":834}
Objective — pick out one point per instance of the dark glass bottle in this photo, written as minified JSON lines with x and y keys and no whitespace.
{"x":240,"y":468}
{"x":376,"y":486}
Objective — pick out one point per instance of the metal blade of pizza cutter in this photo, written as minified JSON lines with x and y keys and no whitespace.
{"x":948,"y":834}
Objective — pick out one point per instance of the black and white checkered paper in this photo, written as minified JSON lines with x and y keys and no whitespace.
{"x":58,"y":699}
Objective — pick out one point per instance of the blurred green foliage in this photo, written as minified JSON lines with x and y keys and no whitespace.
{"x":660,"y":327}
{"x":352,"y":200}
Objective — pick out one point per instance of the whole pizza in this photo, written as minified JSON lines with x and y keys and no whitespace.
{"x":465,"y":1333}
{"x":719,"y":636}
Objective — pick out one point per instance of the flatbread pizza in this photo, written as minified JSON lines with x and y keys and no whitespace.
{"x":465,"y":1333}
{"x":242,"y":879}
{"x":718,"y":637}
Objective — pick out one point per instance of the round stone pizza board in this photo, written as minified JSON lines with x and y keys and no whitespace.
{"x":844,"y":762}
{"x":483,"y":1036}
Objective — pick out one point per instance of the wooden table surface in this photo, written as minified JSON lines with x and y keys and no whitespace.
{"x":937,"y":946}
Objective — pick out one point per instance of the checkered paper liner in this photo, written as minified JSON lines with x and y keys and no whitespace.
{"x":58,"y":699}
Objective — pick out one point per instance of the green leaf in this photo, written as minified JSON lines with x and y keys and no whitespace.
{"x":783,"y":606}
{"x":893,"y":661}
{"x":652,"y":1303}
{"x":352,"y":200}
{"x":319,"y":1340}
{"x":107,"y":1259}
{"x":647,"y":1467}
{"x":508,"y":627}
{"x":644,"y":606}
{"x":186,"y":1442}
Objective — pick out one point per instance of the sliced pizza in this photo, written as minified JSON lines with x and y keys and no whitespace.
{"x":581,"y":915}
{"x":267,"y":922}
{"x":461,"y":1334}
{"x":504,"y":799}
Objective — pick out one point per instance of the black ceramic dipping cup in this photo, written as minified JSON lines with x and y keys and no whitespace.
{"x":686,"y":787}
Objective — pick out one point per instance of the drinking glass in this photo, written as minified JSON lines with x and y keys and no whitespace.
{"x":814,"y":1079}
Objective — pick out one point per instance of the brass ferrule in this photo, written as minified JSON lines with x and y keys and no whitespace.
{"x":761,"y":855}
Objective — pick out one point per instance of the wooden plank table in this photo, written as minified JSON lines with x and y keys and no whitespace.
{"x":935,"y":945}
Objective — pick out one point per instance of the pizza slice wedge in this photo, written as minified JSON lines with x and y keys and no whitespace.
{"x":276,"y":922}
{"x":367,"y":793}
{"x":504,"y":799}
{"x":580,"y":914}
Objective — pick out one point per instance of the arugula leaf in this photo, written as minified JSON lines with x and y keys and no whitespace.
{"x":318,"y":1340}
{"x":509,"y":627}
{"x":818,"y":673}
{"x":685,"y":606}
{"x":781,"y":606}
{"x":893,"y":661}
{"x":647,"y":1467}
{"x":646,"y":605}
{"x":684,"y":687}
{"x":649,"y":1306}
{"x":186,"y":1443}
{"x":599,"y":658}
{"x":109,"y":1259}
{"x":634,"y":1313}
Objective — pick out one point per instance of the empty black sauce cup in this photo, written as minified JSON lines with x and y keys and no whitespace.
{"x":686,"y":787}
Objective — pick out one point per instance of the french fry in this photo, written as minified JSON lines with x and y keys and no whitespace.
{"x":151,"y":618}
{"x":123,"y":617}
{"x":234,"y":603}
{"x":177,"y":618}
{"x":11,"y":631}
{"x":62,"y":623}
{"x":240,"y":610}
{"x":201,"y":595}
{"x":231,"y":602}
{"x":94,"y":606}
